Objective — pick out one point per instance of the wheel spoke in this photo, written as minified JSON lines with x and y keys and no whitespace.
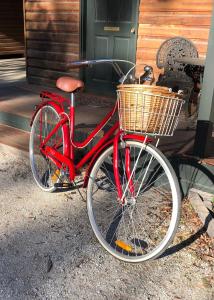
{"x":138,"y":227}
{"x":45,"y":172}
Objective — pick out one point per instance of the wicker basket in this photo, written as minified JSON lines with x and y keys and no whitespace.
{"x":148,"y":109}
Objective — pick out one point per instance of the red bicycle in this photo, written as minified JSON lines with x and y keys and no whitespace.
{"x":133,"y":197}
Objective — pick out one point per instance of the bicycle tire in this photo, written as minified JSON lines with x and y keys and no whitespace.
{"x":107,"y":216}
{"x":45,"y":172}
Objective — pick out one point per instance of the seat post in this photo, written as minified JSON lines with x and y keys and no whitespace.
{"x":72,"y":100}
{"x":72,"y":122}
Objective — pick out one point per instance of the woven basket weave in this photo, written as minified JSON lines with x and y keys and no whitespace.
{"x":150,"y":109}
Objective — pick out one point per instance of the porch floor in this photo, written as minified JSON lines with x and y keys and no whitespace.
{"x":18,"y":99}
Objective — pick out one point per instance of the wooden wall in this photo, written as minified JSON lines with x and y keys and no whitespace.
{"x":52,"y":38}
{"x":11,"y":27}
{"x":53,"y":32}
{"x":163,"y":19}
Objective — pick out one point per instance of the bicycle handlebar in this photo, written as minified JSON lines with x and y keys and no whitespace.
{"x":86,"y":63}
{"x":78,"y":64}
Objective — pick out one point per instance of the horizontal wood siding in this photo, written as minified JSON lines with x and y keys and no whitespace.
{"x":11,"y":27}
{"x":163,"y":19}
{"x":53,"y":32}
{"x":52,"y":38}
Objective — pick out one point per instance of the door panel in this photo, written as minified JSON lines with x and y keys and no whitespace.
{"x":113,"y":11}
{"x":109,"y":34}
{"x":121,"y":47}
{"x":101,"y":74}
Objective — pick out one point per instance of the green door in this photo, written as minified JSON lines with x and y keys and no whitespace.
{"x":111,"y":32}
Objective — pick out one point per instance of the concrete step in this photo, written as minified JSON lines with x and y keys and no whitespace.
{"x":14,"y":137}
{"x":19,"y":139}
{"x":12,"y":70}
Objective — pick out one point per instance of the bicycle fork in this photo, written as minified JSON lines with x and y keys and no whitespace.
{"x":128,"y":173}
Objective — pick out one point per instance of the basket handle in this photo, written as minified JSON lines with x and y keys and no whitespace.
{"x":126,"y":75}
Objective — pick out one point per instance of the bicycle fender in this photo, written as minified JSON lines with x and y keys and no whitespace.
{"x":59,"y":110}
{"x":138,"y":138}
{"x":135,"y":137}
{"x":51,"y":103}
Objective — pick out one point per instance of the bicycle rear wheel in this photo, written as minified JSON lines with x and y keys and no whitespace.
{"x":45,"y":172}
{"x":143,"y":226}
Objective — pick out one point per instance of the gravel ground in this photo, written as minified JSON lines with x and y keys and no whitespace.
{"x":48,"y":250}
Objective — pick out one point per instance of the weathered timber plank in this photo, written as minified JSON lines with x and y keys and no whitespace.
{"x":49,"y":73}
{"x":4,"y":35}
{"x":53,"y":27}
{"x":175,"y":19}
{"x":48,"y":64}
{"x":65,"y":17}
{"x":13,"y":51}
{"x":173,"y":30}
{"x":62,"y":57}
{"x":10,"y":41}
{"x":41,"y":81}
{"x":11,"y":47}
{"x":174,"y":5}
{"x":52,"y":6}
{"x":51,"y":36}
{"x":53,"y":47}
{"x":144,"y":54}
{"x":13,"y":30}
{"x":154,"y":43}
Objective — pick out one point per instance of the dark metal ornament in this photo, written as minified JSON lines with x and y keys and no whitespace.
{"x":172,"y":49}
{"x":174,"y":75}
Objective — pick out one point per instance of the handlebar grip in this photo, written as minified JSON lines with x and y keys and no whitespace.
{"x":148,"y":71}
{"x":78,"y":64}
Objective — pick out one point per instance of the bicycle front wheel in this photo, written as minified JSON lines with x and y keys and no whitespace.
{"x":142,"y":226}
{"x":45,"y":172}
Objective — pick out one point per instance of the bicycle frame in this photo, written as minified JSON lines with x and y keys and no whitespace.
{"x":111,"y":137}
{"x":67,"y":122}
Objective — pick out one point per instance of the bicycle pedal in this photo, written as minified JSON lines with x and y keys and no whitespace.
{"x":55,"y":176}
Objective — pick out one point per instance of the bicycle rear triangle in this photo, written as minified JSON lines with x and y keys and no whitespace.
{"x":133,"y":198}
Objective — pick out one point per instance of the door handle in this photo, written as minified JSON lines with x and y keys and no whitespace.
{"x":133,"y":30}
